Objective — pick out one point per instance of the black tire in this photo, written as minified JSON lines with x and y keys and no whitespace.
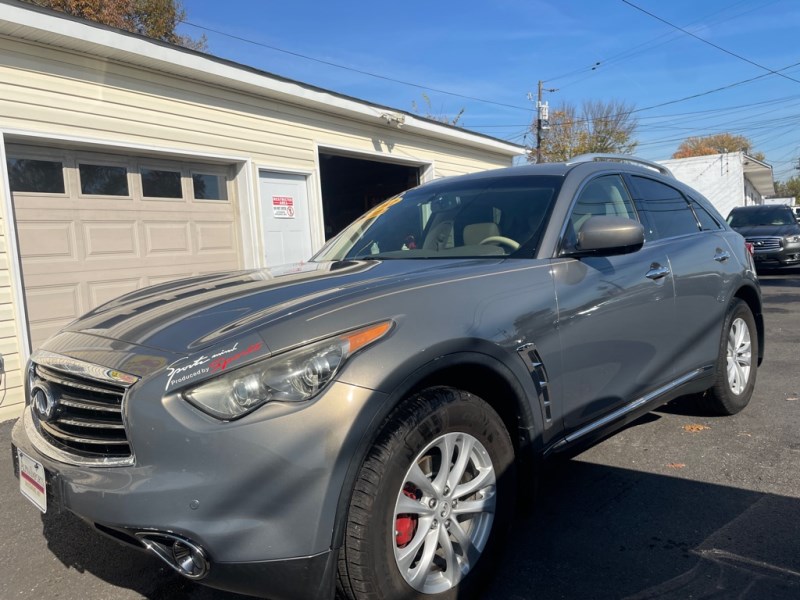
{"x":726,"y":397}
{"x":368,"y":568}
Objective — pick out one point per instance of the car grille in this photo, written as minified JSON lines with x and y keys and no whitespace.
{"x":765,"y":244}
{"x":87,"y":423}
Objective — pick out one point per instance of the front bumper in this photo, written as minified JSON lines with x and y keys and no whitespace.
{"x":259,"y":495}
{"x":787,"y":255}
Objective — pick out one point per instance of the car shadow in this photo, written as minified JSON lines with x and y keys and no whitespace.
{"x":596,"y":532}
{"x":78,"y":546}
{"x":605,"y":532}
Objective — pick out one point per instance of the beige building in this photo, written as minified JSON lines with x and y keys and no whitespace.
{"x":128,"y":162}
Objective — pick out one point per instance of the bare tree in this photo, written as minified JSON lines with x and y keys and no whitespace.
{"x":428,"y":112}
{"x":602,"y":127}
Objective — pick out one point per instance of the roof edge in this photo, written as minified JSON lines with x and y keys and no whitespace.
{"x":36,"y":24}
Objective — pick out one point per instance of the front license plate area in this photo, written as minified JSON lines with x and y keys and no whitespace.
{"x":32,"y":480}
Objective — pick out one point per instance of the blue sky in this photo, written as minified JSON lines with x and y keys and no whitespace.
{"x":496,"y":51}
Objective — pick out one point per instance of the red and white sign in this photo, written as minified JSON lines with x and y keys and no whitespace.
{"x":283,"y":207}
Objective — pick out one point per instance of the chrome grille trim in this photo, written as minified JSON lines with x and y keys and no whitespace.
{"x":80,"y":368}
{"x":51,"y":375}
{"x":87,"y":426}
{"x":50,"y":451}
{"x":92,"y":424}
{"x":764,"y":244}
{"x":54,"y":431}
{"x":87,"y":405}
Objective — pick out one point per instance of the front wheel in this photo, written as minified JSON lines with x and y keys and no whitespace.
{"x":431,"y":502}
{"x":736,"y":364}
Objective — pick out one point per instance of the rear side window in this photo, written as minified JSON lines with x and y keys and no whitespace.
{"x":707,"y":222}
{"x":665,"y":210}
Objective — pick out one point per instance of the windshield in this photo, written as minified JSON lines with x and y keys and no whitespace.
{"x":478,"y":218}
{"x":767,"y":215}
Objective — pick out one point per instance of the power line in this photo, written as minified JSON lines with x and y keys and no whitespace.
{"x":651,"y":44}
{"x":712,"y":44}
{"x":505,"y":105}
{"x":354,"y":70}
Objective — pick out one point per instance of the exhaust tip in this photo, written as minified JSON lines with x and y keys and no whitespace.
{"x":183,"y":555}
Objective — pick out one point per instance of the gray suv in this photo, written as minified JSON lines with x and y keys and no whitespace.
{"x":361,"y":423}
{"x":772,"y":231}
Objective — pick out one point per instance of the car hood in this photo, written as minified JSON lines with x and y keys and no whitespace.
{"x":188,"y":315}
{"x":768,"y":230}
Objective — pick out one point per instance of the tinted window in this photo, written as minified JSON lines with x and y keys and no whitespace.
{"x":29,"y":175}
{"x":666,"y":211}
{"x":480,"y":218}
{"x":707,"y":222}
{"x":103,"y":180}
{"x":209,"y":187}
{"x":761,"y":215}
{"x":604,"y":196}
{"x":161,"y":184}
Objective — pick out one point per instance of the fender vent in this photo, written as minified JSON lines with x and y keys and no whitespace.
{"x":533,"y":361}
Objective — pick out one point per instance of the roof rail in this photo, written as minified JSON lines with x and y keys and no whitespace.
{"x":582,"y":158}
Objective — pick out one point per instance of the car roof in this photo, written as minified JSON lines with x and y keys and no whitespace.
{"x":592,"y":162}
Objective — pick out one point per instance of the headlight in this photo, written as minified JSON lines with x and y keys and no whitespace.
{"x":293,"y":376}
{"x":793,"y":239}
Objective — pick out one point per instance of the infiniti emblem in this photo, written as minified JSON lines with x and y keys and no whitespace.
{"x":44,"y":402}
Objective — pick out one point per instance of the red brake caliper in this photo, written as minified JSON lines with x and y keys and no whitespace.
{"x":405,"y":526}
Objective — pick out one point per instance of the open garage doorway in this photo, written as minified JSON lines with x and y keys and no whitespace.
{"x":351,"y":186}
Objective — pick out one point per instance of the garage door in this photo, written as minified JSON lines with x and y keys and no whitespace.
{"x":94,"y":226}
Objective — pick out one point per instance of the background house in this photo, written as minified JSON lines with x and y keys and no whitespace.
{"x":126,"y":162}
{"x":728,"y":180}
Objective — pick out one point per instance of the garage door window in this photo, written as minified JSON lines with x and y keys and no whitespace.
{"x":30,"y":175}
{"x":209,"y":187}
{"x":103,"y":180}
{"x":158,"y":183}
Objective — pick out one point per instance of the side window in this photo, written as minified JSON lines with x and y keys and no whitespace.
{"x":665,"y":210}
{"x":707,"y":222}
{"x":604,"y":196}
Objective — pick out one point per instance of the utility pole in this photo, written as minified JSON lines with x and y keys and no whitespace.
{"x":542,"y":119}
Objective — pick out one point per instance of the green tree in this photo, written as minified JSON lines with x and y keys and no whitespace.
{"x":788,"y":188}
{"x":599,"y":127}
{"x":718,"y":143}
{"x":157,"y":19}
{"x":428,"y":112}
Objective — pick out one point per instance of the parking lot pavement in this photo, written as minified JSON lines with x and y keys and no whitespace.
{"x":676,"y":506}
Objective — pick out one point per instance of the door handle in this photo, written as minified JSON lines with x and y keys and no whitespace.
{"x":657,"y":272}
{"x":722,"y":255}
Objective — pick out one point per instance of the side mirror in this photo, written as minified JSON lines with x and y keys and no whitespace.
{"x":606,"y":236}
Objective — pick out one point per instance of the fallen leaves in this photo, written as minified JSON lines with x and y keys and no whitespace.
{"x":695,"y":427}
